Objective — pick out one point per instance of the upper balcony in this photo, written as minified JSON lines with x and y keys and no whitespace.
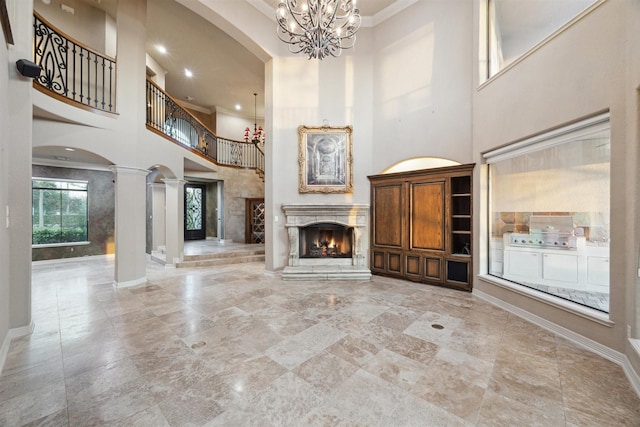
{"x":78,"y":74}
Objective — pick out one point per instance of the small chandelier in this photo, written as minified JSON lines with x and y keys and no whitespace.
{"x":258,"y":133}
{"x":318,"y":28}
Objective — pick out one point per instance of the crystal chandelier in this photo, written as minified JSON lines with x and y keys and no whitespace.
{"x":318,"y":28}
{"x":258,"y":133}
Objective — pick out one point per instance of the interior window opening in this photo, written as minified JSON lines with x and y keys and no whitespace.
{"x":510,"y":28}
{"x":549,"y":219}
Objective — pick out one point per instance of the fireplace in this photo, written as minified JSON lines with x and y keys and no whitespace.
{"x":327,"y":242}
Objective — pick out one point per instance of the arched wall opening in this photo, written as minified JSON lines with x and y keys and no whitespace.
{"x":418,"y":163}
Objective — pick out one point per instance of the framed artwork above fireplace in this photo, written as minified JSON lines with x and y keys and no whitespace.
{"x":325,"y":159}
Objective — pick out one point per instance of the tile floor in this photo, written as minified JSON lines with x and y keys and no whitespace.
{"x":232,"y":346}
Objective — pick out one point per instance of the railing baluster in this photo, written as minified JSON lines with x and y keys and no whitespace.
{"x":63,"y":67}
{"x":88,"y":78}
{"x":110,"y":85}
{"x":166,"y":116}
{"x":74,"y":72}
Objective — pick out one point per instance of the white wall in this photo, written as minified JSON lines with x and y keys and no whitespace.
{"x":304,"y":92}
{"x":422,"y":83}
{"x":232,"y":126}
{"x":87,"y":24}
{"x":579,"y":73}
{"x":15,"y":189}
{"x":4,"y":197}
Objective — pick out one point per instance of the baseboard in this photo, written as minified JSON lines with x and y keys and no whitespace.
{"x":74,"y":259}
{"x":6,"y":343}
{"x":130,"y":283}
{"x":582,"y":341}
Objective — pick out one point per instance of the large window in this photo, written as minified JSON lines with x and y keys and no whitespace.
{"x":59,"y":211}
{"x":509,"y":28}
{"x":549,"y":213}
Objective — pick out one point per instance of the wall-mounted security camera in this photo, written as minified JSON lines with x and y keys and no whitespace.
{"x":28,"y":68}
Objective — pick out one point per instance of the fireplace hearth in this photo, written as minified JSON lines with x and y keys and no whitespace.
{"x":327,"y":242}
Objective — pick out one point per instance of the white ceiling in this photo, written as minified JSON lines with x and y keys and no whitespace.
{"x":225,"y":73}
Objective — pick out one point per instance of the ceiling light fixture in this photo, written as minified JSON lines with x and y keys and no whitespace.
{"x":160,"y":48}
{"x":258,"y":132}
{"x":188,"y":73}
{"x":318,"y":28}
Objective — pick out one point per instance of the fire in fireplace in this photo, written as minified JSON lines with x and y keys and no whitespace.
{"x":325,"y":240}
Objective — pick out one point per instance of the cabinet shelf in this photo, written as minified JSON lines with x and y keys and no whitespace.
{"x":461,"y":231}
{"x":461,"y":195}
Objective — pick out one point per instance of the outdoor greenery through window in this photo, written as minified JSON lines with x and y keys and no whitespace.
{"x":59,"y":211}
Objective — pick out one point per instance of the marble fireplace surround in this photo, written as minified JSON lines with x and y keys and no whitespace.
{"x":355,"y":216}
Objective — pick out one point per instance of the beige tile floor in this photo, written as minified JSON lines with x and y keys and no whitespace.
{"x":232,"y":346}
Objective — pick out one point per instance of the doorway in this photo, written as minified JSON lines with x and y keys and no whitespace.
{"x":195,"y":212}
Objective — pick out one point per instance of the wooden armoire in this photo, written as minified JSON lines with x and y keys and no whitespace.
{"x":421,"y":225}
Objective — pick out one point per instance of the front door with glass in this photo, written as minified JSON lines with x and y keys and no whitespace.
{"x":194,"y":212}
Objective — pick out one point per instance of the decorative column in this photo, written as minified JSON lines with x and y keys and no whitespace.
{"x":294,"y":247}
{"x":174,"y":221}
{"x":130,"y":226}
{"x":158,"y":220}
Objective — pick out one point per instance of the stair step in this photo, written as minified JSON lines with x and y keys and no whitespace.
{"x":224,"y":255}
{"x":208,"y":261}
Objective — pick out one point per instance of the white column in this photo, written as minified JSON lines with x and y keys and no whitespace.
{"x":158,"y":220}
{"x":16,"y":176}
{"x":174,"y":221}
{"x":130,"y":226}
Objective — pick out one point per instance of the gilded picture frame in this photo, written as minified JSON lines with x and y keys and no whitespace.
{"x":325,"y":159}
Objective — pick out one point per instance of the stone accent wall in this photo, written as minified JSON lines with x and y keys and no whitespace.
{"x":239,"y":185}
{"x":101,"y":199}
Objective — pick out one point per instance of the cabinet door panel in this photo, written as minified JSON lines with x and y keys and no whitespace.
{"x":378,"y":260}
{"x":394,"y":264}
{"x":412,"y":265}
{"x":387,"y":215}
{"x":525,"y":264}
{"x":427,"y":216}
{"x":433,"y":268}
{"x":563,"y":268}
{"x":598,"y":271}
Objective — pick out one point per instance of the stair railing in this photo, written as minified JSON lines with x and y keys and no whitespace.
{"x":73,"y":70}
{"x":169,"y":119}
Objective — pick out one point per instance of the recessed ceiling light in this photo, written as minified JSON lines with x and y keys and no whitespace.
{"x":70,"y":149}
{"x":238,"y":107}
{"x":160,"y":48}
{"x":188,"y":73}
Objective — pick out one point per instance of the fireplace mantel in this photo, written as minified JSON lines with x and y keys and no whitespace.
{"x":355,"y":216}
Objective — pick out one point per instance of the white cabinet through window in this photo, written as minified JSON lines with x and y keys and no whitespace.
{"x":560,"y":267}
{"x":523,"y":263}
{"x":598,"y":271}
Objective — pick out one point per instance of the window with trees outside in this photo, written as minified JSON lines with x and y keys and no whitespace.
{"x":59,"y":211}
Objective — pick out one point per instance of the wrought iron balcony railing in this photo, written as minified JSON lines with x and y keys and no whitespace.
{"x":73,"y":70}
{"x":167,"y":117}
